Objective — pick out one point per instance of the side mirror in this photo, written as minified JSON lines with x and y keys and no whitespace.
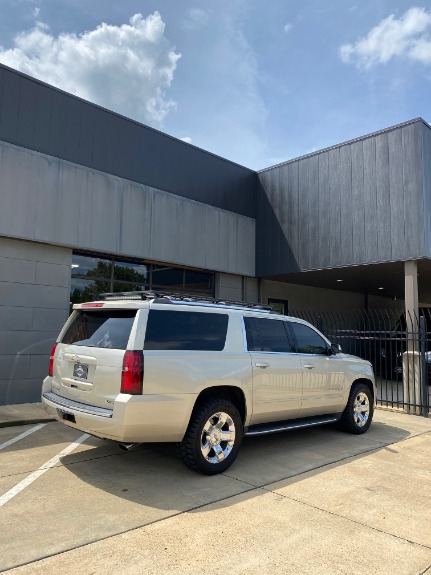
{"x":335,"y":348}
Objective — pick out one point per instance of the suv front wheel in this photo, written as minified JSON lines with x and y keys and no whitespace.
{"x":357,"y":416}
{"x":213,"y":437}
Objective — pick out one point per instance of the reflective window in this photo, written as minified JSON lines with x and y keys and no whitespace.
{"x":308,"y":340}
{"x":92,"y":275}
{"x":198,"y":281}
{"x":172,"y":278}
{"x":87,"y":290}
{"x":131,"y":272}
{"x":266,"y":335}
{"x":184,"y":330}
{"x":110,"y":329}
{"x":91,"y":267}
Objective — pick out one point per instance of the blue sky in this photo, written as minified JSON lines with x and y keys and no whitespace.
{"x":256,"y":82}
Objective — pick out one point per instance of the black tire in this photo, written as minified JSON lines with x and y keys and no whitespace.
{"x":210,"y":412}
{"x":349,"y":419}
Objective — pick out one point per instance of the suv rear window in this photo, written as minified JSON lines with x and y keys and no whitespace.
{"x":108,"y":329}
{"x":266,"y":335}
{"x":186,"y":330}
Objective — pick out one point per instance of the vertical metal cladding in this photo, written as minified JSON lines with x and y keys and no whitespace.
{"x":357,"y":203}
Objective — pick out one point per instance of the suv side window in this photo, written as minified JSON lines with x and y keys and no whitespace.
{"x":307,"y":340}
{"x":266,"y":335}
{"x":185,"y":330}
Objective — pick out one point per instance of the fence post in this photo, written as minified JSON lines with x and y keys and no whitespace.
{"x":424,"y":371}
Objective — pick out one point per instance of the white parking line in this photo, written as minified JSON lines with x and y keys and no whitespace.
{"x":21,"y":436}
{"x":42,"y":469}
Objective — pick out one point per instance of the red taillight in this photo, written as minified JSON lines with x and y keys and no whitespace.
{"x":132,"y":374}
{"x":51,"y":360}
{"x":92,"y":304}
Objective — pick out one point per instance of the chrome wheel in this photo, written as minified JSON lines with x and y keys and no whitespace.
{"x":218,"y":437}
{"x":361,"y":409}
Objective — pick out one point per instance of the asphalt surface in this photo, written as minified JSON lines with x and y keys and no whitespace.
{"x":315,"y":501}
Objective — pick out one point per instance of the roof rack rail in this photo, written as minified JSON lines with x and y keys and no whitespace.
{"x":169,"y":297}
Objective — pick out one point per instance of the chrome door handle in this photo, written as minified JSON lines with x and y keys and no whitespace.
{"x":262,"y":364}
{"x":308,"y":365}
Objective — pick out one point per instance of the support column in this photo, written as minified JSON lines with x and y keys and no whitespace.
{"x":411,"y":358}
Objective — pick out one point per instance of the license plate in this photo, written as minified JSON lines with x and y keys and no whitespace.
{"x":80,"y":371}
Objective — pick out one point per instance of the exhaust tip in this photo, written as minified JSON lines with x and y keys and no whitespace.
{"x":128,"y":446}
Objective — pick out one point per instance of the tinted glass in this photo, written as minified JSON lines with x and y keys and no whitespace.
{"x":108,"y":329}
{"x":308,"y":341}
{"x":171,"y":278}
{"x":91,"y":267}
{"x":87,"y":290}
{"x":266,"y":335}
{"x":131,"y":272}
{"x":198,"y":282}
{"x":184,"y":330}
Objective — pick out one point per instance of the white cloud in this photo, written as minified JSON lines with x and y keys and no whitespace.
{"x":407,"y":37}
{"x":186,"y":139}
{"x":125,"y":68}
{"x":287,"y":28}
{"x":196,"y":18}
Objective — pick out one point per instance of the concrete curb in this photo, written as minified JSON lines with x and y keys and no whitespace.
{"x":23,"y":414}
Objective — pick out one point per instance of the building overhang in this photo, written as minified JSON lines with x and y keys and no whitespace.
{"x":382,"y":279}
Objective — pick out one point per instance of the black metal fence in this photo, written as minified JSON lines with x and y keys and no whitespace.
{"x":399,"y":348}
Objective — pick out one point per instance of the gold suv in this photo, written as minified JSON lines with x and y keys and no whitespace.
{"x":155,"y":367}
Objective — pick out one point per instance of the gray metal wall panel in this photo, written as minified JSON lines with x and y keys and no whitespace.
{"x":303,"y":212}
{"x":359,"y":203}
{"x":58,"y":125}
{"x":370,"y":200}
{"x":334,"y":199}
{"x":42,"y":125}
{"x":213,"y":232}
{"x":426,"y":171}
{"x":16,"y":318}
{"x":34,"y":304}
{"x":383,"y":199}
{"x":17,"y":192}
{"x":413,"y":190}
{"x":73,"y":129}
{"x":67,"y":204}
{"x":42,"y":118}
{"x":135,"y":214}
{"x":396,"y":193}
{"x":100,"y":140}
{"x":9,"y":111}
{"x":191,"y":218}
{"x":345,"y":250}
{"x":323,"y":247}
{"x":12,"y":392}
{"x":86,"y":136}
{"x":27,"y":116}
{"x":358,"y":208}
{"x":313,"y":216}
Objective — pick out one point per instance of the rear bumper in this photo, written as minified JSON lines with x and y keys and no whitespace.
{"x":133,"y":419}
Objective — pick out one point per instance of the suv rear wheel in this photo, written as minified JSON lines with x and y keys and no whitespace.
{"x":213,"y":437}
{"x":358,"y":414}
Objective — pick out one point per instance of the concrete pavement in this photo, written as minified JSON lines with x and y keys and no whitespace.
{"x":22,"y":414}
{"x":315,"y":502}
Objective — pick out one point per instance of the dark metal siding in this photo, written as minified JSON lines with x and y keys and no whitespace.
{"x":426,"y":163}
{"x":360,"y":202}
{"x":36,"y":116}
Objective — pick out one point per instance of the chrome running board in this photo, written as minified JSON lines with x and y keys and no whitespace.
{"x":279,"y":426}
